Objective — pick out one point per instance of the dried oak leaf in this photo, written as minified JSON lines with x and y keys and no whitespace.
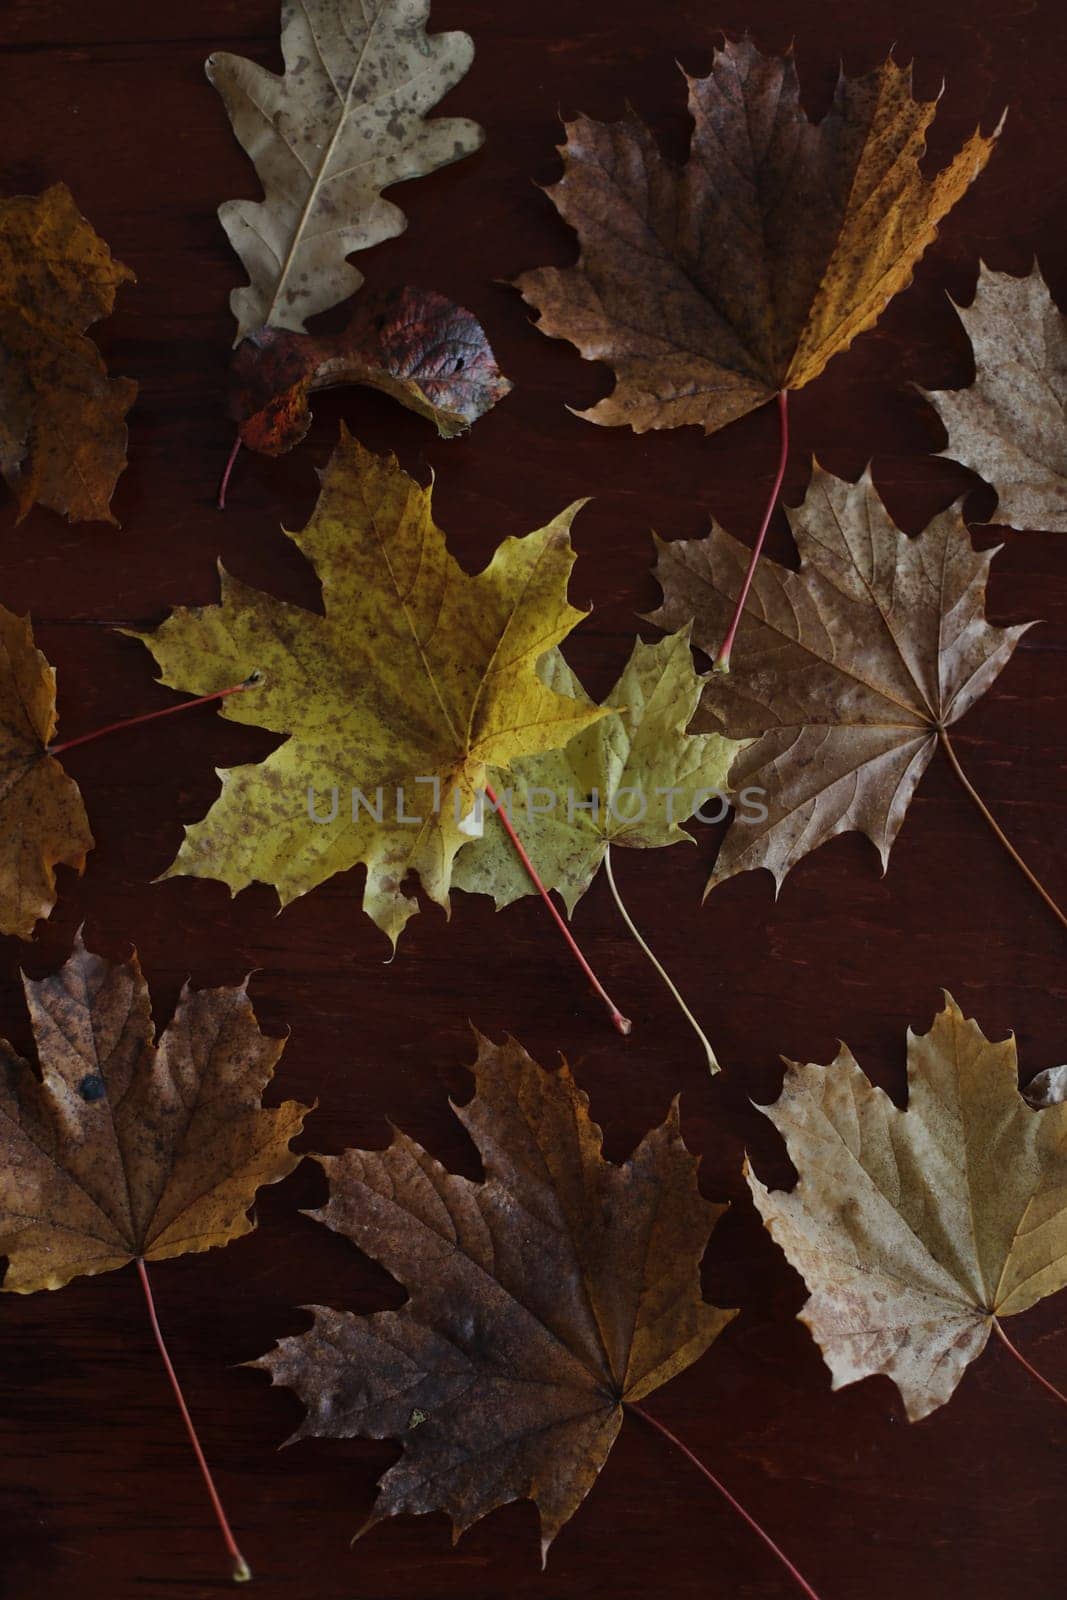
{"x":414,"y":345}
{"x":417,"y":679}
{"x":844,"y":674}
{"x":42,"y":818}
{"x":345,"y":121}
{"x":630,"y":780}
{"x":125,"y":1148}
{"x":541,"y":1300}
{"x":62,"y":419}
{"x":916,"y":1230}
{"x":1010,"y":426}
{"x":711,"y":288}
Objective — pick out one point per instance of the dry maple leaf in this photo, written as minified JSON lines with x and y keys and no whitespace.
{"x":1010,"y":426}
{"x":62,"y":419}
{"x":916,"y":1231}
{"x":42,"y":817}
{"x":631,"y":779}
{"x":541,"y":1300}
{"x":345,"y":121}
{"x":711,"y":288}
{"x":417,"y":679}
{"x":416,"y":346}
{"x":846,"y":674}
{"x":124,"y":1148}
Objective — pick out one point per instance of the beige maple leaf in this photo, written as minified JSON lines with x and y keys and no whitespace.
{"x":917,"y":1231}
{"x":1010,"y":426}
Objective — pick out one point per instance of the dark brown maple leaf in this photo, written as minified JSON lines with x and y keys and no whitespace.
{"x":711,"y":288}
{"x":541,"y":1300}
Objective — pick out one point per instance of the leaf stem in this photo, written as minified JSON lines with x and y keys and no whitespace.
{"x":946,"y":743}
{"x":149,"y":716}
{"x":1021,"y":1359}
{"x":722,"y":660}
{"x":713,"y":1065}
{"x":746,"y":1516}
{"x":225,"y":483}
{"x":241,"y":1570}
{"x":621,"y":1023}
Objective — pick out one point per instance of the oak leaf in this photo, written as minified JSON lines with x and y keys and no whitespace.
{"x":1010,"y":426}
{"x":916,"y":1231}
{"x":415,"y":346}
{"x":124,"y":1148}
{"x":62,"y":419}
{"x":345,"y":121}
{"x":394,"y":704}
{"x":630,"y":780}
{"x":711,"y":288}
{"x":845,"y":675}
{"x":542,"y":1300}
{"x":42,"y":817}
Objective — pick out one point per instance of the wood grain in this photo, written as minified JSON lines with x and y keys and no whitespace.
{"x":98,"y":1491}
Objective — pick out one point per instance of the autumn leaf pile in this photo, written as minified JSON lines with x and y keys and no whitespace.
{"x":432,"y":734}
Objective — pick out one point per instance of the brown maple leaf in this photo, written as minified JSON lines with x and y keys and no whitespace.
{"x":124,"y":1148}
{"x":62,"y":419}
{"x":1010,"y":426}
{"x":414,"y":345}
{"x":918,"y":1231}
{"x":42,"y":817}
{"x":541,"y":1300}
{"x":711,"y":288}
{"x":845,"y":674}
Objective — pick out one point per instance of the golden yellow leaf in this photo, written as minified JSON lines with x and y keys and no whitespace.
{"x":62,"y":419}
{"x":417,"y":679}
{"x":42,"y":818}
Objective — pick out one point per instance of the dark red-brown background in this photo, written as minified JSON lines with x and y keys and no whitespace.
{"x":98,"y":1491}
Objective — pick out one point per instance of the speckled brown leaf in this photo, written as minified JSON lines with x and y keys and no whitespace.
{"x":42,"y":818}
{"x":843,"y":673}
{"x":345,"y":121}
{"x":414,"y":345}
{"x":1010,"y":426}
{"x":62,"y":419}
{"x":709,"y":289}
{"x":126,"y":1148}
{"x":916,"y":1230}
{"x":541,"y":1300}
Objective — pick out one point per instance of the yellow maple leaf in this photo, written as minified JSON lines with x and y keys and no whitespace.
{"x":394,"y":703}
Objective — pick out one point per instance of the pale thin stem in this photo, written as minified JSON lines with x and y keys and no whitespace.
{"x":713,"y":1065}
{"x":660,"y":1427}
{"x":722,"y":660}
{"x":622,"y":1024}
{"x":241,"y":1570}
{"x":224,"y":485}
{"x":1021,"y":1359}
{"x":946,"y":745}
{"x":149,"y":716}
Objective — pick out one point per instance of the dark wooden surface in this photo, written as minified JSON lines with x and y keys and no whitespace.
{"x":99,"y":1495}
